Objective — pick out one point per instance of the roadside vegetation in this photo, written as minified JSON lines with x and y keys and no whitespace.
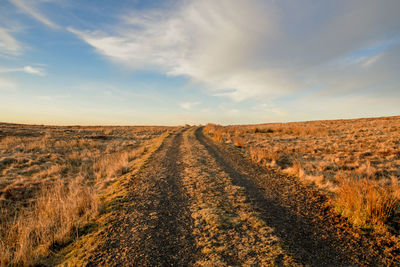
{"x":356,"y":162}
{"x":51,"y":179}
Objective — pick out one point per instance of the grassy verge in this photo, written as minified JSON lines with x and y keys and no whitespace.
{"x":112,"y":199}
{"x":52,"y":220}
{"x":64,"y":207}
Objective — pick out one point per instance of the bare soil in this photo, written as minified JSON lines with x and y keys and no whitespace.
{"x":196,"y":202}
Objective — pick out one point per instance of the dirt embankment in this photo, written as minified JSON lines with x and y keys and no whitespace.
{"x":200,"y":203}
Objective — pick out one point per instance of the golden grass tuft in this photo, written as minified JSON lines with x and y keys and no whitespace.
{"x":217,"y":132}
{"x":55,"y":216}
{"x":114,"y":165}
{"x":366,"y":203}
{"x":258,"y":154}
{"x":238,"y":141}
{"x":296,"y":170}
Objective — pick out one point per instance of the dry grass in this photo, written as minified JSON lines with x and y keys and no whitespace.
{"x":367,"y":203}
{"x":50,"y":179}
{"x":320,"y":152}
{"x":57,"y":213}
{"x":238,"y":141}
{"x":217,"y":132}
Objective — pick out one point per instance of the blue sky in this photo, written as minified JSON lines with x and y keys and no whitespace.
{"x":174,"y":62}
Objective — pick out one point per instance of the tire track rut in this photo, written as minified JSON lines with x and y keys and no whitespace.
{"x":228,"y":230}
{"x":154,"y":227}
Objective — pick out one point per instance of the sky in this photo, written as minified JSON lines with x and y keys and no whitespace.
{"x":171,"y":62}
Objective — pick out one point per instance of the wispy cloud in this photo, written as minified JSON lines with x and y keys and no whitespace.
{"x":26,"y":69}
{"x":252,"y":49}
{"x":35,"y":71}
{"x":211,"y":42}
{"x":8,"y":44}
{"x":369,"y":61}
{"x":189,"y":105}
{"x":30,"y":7}
{"x":6,"y":84}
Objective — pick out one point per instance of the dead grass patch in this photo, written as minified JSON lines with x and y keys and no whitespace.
{"x":366,"y":203}
{"x":51,"y":178}
{"x":52,"y":220}
{"x":320,"y":152}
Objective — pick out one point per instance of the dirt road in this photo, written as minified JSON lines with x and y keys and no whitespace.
{"x":196,"y":202}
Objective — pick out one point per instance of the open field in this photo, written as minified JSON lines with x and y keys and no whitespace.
{"x":358,"y":161}
{"x":201,"y":196}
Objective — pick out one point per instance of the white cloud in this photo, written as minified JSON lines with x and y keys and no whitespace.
{"x":189,"y":105}
{"x":30,"y":7}
{"x":252,"y":49}
{"x":35,"y":71}
{"x":8,"y":44}
{"x":26,"y":69}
